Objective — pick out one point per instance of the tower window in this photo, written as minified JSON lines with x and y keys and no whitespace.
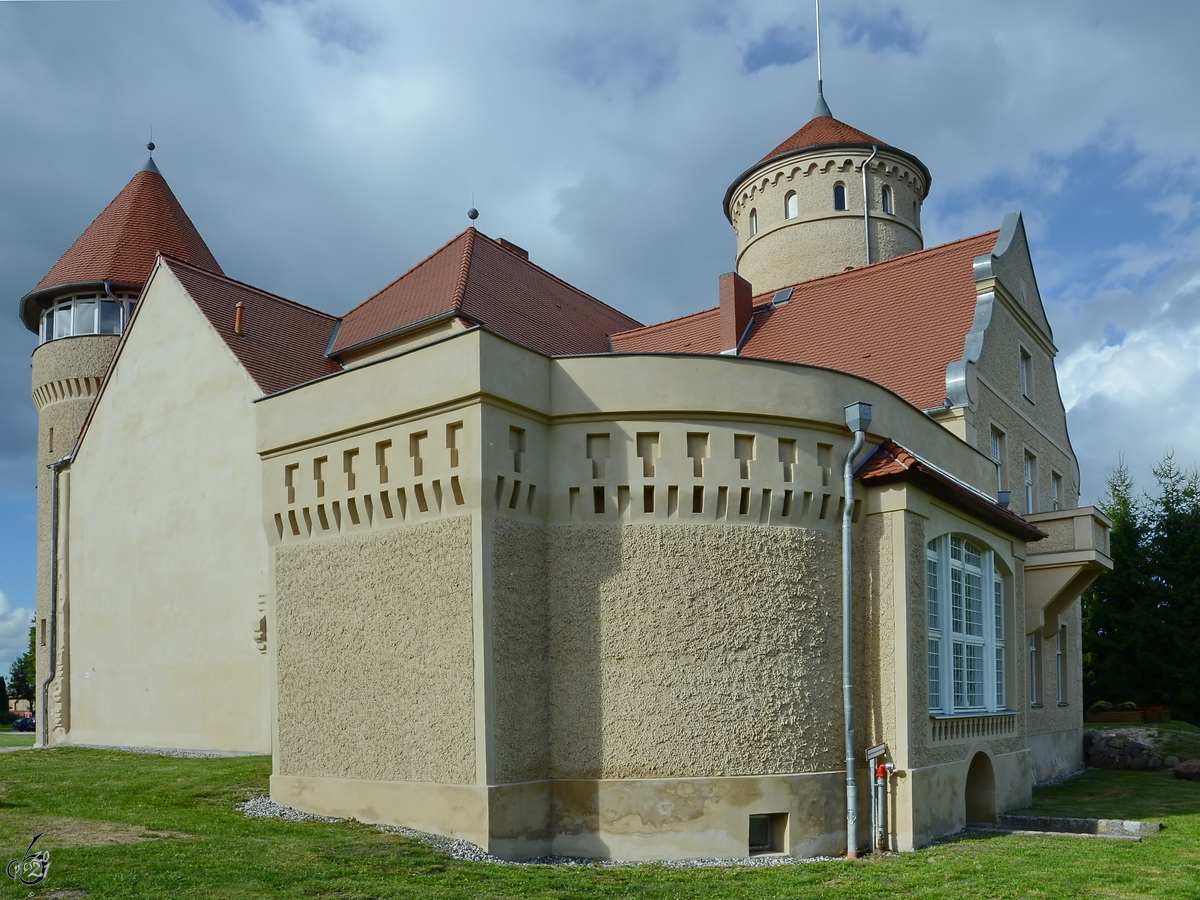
{"x":839,"y":196}
{"x":887,"y":199}
{"x":753,"y":222}
{"x":791,"y":205}
{"x":86,"y":314}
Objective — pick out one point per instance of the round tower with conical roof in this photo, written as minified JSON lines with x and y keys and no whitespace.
{"x":801,"y":211}
{"x":79,"y":311}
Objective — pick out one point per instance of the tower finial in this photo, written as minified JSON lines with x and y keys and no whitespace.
{"x":822,"y":108}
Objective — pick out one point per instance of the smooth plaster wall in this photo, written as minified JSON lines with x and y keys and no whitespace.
{"x":162,"y":641}
{"x":66,"y":376}
{"x":692,"y":651}
{"x":375,"y":655}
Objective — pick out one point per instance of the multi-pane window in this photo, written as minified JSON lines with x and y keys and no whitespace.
{"x":1035,"y":687}
{"x":1026,"y":373}
{"x":998,"y":456}
{"x":1055,"y":490}
{"x":962,"y":583}
{"x":887,"y":199}
{"x":1030,"y":481}
{"x":1060,"y":670}
{"x":86,"y":314}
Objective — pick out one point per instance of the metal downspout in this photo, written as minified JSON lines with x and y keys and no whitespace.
{"x":858,"y":417}
{"x":52,"y":639}
{"x":867,"y":202}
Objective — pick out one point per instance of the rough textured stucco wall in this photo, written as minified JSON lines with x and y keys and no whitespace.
{"x":693,"y":650}
{"x":66,"y":376}
{"x":375,"y":658}
{"x":1052,"y":716}
{"x":874,"y":633}
{"x":520,"y":652}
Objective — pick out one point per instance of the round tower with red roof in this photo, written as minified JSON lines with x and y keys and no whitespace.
{"x":79,"y":311}
{"x":799,"y":213}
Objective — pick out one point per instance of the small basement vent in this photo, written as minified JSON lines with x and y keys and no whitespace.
{"x":768,"y":833}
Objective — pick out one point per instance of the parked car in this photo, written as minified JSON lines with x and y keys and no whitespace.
{"x":27,"y":724}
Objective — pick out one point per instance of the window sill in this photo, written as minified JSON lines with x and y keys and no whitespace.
{"x":1036,"y":706}
{"x":1064,"y":704}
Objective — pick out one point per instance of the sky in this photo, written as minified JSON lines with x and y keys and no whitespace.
{"x":322,"y":148}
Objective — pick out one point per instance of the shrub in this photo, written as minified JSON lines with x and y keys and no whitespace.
{"x":1100,"y":706}
{"x":1127,"y":706}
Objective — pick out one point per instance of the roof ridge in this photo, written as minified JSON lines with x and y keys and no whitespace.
{"x":562,"y":281}
{"x":699,"y":312}
{"x":176,"y":261}
{"x":464,"y":269}
{"x":894,"y":262}
{"x":408,"y":272}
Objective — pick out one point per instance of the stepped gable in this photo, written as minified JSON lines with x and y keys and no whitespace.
{"x":479,"y":281}
{"x":142,"y":221}
{"x":282,"y":343}
{"x":898,"y":323}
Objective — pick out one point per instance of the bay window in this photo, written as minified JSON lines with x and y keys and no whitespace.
{"x":966,"y":616}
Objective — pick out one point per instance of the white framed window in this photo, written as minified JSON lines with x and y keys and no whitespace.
{"x":791,"y":205}
{"x":839,"y":196}
{"x":83,"y":314}
{"x":887,"y":199}
{"x":1026,"y":374}
{"x":1056,"y":491}
{"x":1030,"y":482}
{"x":753,"y":222}
{"x":1035,"y":686}
{"x":998,"y":456}
{"x":966,"y":617}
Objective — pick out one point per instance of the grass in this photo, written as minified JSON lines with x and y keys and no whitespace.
{"x":15,"y":739}
{"x":130,"y":826}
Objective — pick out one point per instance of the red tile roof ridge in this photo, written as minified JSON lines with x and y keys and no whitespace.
{"x":895,"y":262}
{"x":175,"y":261}
{"x":561,"y":281}
{"x":464,"y":269}
{"x":410,"y":270}
{"x":643,"y":328}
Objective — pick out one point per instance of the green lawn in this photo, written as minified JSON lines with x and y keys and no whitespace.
{"x":16,"y":739}
{"x":129,"y":826}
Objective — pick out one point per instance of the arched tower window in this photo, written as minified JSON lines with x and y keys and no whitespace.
{"x":753,"y":222}
{"x":887,"y":199}
{"x":791,"y":205}
{"x":915,"y":220}
{"x":839,"y":196}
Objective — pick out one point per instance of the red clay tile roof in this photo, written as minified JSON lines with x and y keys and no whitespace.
{"x":898,"y":323}
{"x":824,"y":130}
{"x":891,"y":463}
{"x":121,"y":244}
{"x":282,"y":343}
{"x":476,"y":279}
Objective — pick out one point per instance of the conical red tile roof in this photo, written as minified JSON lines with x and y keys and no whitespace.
{"x":122,"y":243}
{"x":824,"y":130}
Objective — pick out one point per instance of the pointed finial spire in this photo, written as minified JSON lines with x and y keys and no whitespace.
{"x":822,"y":108}
{"x":150,"y":166}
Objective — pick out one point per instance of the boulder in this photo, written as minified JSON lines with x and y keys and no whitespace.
{"x":1190,"y":770}
{"x":1154,"y":762}
{"x":1139,"y":762}
{"x":1171,"y":762}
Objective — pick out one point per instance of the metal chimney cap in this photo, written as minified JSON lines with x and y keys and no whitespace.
{"x":858,"y":416}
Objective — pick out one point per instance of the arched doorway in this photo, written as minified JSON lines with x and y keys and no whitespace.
{"x":981,"y":790}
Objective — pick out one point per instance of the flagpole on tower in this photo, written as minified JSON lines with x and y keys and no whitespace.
{"x":822,"y":107}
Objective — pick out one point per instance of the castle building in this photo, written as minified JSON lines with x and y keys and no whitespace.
{"x":486,"y":557}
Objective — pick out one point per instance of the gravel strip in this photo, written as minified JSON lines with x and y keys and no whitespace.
{"x":263,"y":807}
{"x":157,"y":751}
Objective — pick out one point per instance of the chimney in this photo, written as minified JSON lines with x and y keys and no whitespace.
{"x":513,"y":248}
{"x":737,"y":305}
{"x":239,"y":310}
